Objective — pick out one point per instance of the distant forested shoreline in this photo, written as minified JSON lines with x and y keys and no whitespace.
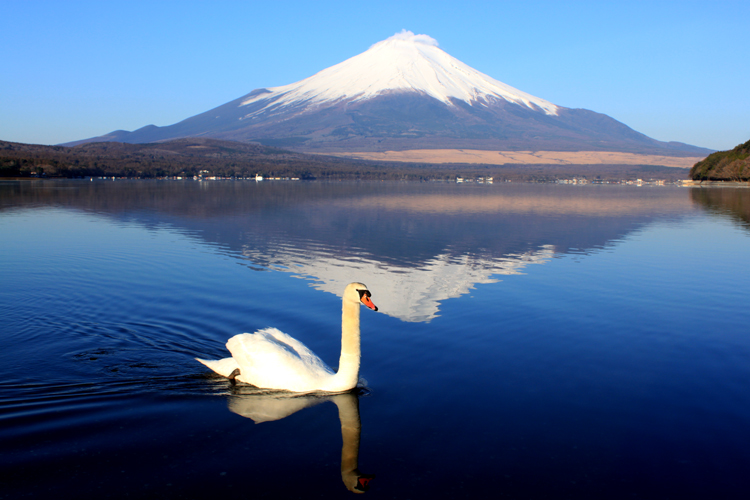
{"x":191,"y":157}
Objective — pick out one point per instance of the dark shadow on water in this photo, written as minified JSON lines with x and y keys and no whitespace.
{"x":727,"y":202}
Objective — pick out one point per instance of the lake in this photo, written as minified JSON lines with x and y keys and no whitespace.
{"x":532,"y":340}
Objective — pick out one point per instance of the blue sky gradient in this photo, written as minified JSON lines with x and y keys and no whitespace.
{"x":676,"y":71}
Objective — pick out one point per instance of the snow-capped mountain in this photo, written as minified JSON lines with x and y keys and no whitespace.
{"x":404,"y":62}
{"x":404,"y":93}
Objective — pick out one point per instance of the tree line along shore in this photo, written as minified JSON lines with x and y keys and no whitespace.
{"x":732,"y":165}
{"x":194,"y":157}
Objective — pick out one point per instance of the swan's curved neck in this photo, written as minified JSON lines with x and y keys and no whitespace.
{"x":348,"y":374}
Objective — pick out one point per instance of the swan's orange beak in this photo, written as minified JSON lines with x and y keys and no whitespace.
{"x":365,"y":299}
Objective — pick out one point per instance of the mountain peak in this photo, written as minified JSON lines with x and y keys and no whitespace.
{"x":405,"y":93}
{"x":404,"y":62}
{"x":408,"y":36}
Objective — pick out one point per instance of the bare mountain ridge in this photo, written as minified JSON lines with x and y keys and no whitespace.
{"x":405,"y":93}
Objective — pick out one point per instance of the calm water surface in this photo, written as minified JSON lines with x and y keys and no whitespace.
{"x":533,"y":341}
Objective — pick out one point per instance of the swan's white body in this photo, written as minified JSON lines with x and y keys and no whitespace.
{"x":271,"y":359}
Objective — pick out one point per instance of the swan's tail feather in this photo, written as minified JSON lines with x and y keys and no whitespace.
{"x":224,"y":367}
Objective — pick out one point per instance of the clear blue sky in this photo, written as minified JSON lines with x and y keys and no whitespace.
{"x":674,"y":70}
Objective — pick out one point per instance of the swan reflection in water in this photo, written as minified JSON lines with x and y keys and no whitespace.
{"x":262,"y":406}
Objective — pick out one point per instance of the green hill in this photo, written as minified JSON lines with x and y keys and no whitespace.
{"x":731,"y":165}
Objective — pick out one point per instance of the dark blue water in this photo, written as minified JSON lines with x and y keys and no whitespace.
{"x":533,"y":341}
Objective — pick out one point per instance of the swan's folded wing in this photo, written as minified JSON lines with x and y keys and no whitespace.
{"x":272,"y":347}
{"x":272,"y":359}
{"x":289,"y":342}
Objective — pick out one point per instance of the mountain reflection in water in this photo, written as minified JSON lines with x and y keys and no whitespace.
{"x":418,"y":244}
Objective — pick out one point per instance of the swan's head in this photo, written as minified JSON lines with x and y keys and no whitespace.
{"x":359,"y":293}
{"x":356,"y":482}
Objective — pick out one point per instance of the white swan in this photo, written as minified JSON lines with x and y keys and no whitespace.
{"x":270,"y":359}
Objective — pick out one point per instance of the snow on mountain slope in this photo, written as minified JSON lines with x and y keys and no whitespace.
{"x":401,"y":94}
{"x":403,"y":62}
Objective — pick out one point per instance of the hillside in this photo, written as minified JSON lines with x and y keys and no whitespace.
{"x":731,"y":165}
